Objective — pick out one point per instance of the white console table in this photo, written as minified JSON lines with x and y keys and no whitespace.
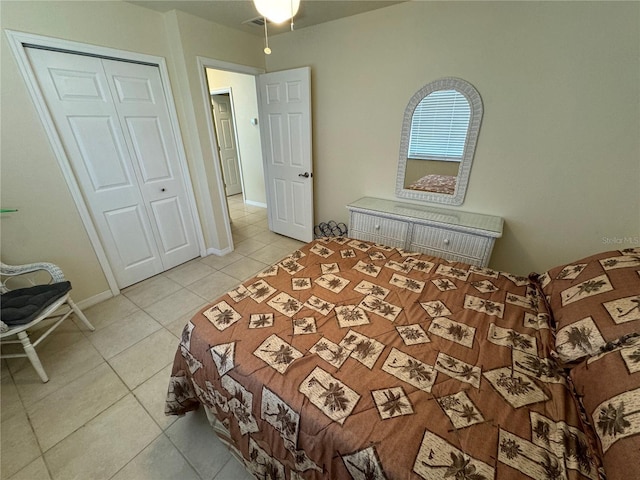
{"x":451,"y":234}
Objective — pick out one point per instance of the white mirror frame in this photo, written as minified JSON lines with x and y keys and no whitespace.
{"x":464,"y":170}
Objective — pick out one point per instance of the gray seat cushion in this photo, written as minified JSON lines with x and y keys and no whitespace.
{"x":19,"y":307}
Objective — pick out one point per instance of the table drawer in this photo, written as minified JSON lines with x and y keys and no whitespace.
{"x":370,"y":237}
{"x":379,"y":226}
{"x":451,"y":256}
{"x":441,"y":239}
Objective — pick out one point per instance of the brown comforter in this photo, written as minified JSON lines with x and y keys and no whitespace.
{"x":354,"y":360}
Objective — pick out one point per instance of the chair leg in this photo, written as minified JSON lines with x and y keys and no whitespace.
{"x":79,"y":314}
{"x":33,"y":356}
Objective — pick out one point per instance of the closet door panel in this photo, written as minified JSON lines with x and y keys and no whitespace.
{"x":80,"y":102}
{"x":113,"y":121}
{"x":144,"y":116}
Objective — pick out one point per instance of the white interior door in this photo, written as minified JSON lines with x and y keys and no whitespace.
{"x":226,"y":136}
{"x":285,"y":112}
{"x":113,"y":121}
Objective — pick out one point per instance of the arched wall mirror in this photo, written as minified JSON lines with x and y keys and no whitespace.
{"x":439,"y":134}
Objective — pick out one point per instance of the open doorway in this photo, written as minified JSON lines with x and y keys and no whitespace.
{"x":234,"y":111}
{"x":282,"y":156}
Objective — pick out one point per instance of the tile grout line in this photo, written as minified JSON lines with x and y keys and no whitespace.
{"x":33,"y":432}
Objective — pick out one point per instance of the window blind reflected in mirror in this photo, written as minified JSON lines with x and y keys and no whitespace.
{"x":439,"y":127}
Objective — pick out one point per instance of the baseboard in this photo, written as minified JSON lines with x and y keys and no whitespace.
{"x":94,"y":300}
{"x":218,"y":252}
{"x":256,"y":204}
{"x":107,"y":294}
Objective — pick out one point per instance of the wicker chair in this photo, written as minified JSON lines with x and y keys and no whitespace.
{"x":32,"y":302}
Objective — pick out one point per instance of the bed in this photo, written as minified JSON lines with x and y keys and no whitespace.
{"x":350,"y":359}
{"x":435,"y":183}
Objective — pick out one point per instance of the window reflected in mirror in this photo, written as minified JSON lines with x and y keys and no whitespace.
{"x":438,"y":141}
{"x":439,"y":127}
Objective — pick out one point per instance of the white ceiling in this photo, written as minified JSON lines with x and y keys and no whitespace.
{"x":234,"y":13}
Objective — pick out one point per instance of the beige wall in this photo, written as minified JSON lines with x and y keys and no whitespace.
{"x":48,"y":226}
{"x":558,"y":152}
{"x":245,"y":100}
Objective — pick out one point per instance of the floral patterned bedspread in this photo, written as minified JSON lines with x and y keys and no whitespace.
{"x":355,"y":360}
{"x":435,"y":183}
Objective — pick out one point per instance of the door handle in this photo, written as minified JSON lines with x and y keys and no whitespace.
{"x":305,"y":175}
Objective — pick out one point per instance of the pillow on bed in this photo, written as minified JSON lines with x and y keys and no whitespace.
{"x":593,"y":301}
{"x":609,"y":388}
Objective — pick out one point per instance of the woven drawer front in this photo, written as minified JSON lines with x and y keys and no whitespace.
{"x":465,"y":244}
{"x":383,"y":227}
{"x":451,"y":256}
{"x":369,"y":237}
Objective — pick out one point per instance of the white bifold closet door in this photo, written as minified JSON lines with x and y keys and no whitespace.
{"x":113,"y":120}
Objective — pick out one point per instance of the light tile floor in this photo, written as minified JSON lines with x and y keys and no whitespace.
{"x":101,"y":415}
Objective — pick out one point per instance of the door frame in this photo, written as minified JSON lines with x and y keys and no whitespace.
{"x":19,"y":41}
{"x":229,"y":91}
{"x":203,"y":64}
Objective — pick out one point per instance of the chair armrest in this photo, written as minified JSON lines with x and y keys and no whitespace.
{"x":13,"y":270}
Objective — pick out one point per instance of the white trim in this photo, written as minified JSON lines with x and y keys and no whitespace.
{"x":204,"y":63}
{"x":256,"y":204}
{"x":17,"y":41}
{"x":95,"y":299}
{"x":219,"y":252}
